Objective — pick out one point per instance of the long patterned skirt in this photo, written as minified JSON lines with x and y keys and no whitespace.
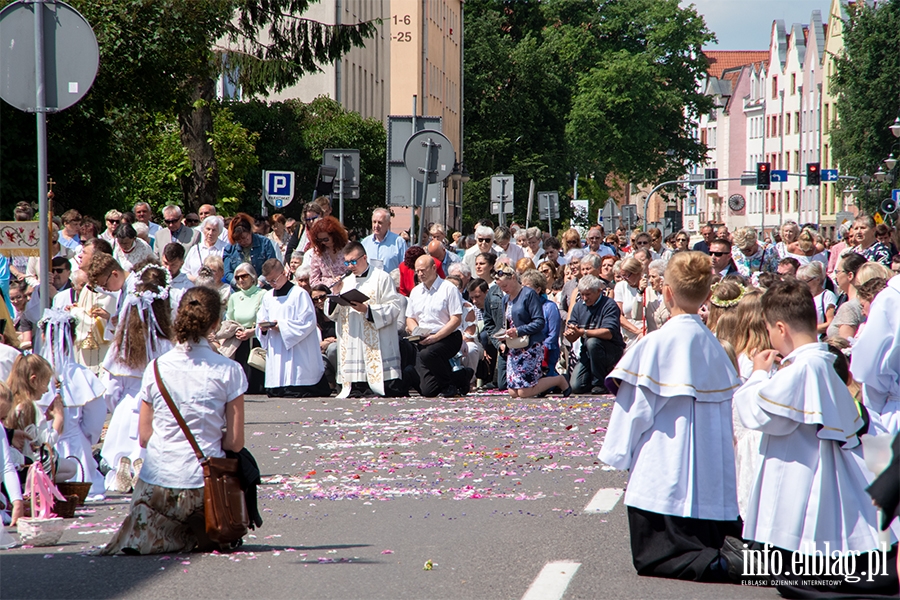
{"x":161,"y":520}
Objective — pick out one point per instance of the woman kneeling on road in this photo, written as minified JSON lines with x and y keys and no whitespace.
{"x":208,"y":389}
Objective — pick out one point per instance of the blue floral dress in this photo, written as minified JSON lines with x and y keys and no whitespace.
{"x":523,"y":365}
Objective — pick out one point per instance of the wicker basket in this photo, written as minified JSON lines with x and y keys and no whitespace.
{"x":75,"y":488}
{"x":41,"y":532}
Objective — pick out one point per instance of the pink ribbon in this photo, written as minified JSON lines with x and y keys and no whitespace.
{"x":42,"y":492}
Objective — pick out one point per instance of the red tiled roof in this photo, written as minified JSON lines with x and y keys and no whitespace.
{"x":722,"y":60}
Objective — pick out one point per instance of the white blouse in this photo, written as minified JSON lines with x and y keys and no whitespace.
{"x":201,"y":382}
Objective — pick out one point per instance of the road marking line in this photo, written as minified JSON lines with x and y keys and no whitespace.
{"x":552,"y":581}
{"x":604,"y":500}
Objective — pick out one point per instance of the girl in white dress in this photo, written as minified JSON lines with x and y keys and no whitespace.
{"x":143,"y":334}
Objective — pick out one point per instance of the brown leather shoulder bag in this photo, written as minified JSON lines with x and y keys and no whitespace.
{"x":224,"y":505}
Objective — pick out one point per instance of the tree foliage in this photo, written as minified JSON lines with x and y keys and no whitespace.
{"x":292,"y":136}
{"x":602,"y":87}
{"x":866,"y":81}
{"x":158,"y":59}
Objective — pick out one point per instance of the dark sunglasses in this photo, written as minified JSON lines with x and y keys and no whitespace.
{"x":485,"y":240}
{"x":642,"y":243}
{"x":191,"y":221}
{"x":319,"y":298}
{"x":59,"y":269}
{"x":323,"y":240}
{"x":353,"y":262}
{"x":113,"y":221}
{"x":311,"y":220}
{"x":171,"y":221}
{"x":711,"y":253}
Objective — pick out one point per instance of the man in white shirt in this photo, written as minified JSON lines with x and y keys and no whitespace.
{"x":595,"y":242}
{"x":286,"y":328}
{"x":142,"y":213}
{"x":384,"y":247}
{"x":435,"y":308}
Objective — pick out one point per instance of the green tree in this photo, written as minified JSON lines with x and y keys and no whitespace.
{"x":292,"y":136}
{"x":161,"y":57}
{"x":602,"y":87}
{"x":866,"y":81}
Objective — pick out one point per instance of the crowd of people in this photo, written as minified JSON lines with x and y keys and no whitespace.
{"x":697,"y":341}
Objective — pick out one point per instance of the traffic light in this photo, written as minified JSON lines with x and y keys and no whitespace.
{"x":711,"y":174}
{"x":813,"y":174}
{"x":763,"y":176}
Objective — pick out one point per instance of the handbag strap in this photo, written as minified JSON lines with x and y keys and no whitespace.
{"x":184,"y":428}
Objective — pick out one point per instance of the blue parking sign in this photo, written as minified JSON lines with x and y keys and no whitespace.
{"x":278,"y":187}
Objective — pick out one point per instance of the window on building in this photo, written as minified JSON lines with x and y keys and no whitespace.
{"x":793,"y":84}
{"x":797,"y":163}
{"x":774,"y":87}
{"x":826,"y":126}
{"x":797,"y":122}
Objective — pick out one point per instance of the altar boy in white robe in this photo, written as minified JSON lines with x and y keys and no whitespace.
{"x":810,"y":491}
{"x":876,"y":357}
{"x":671,"y":427}
{"x":368,"y":344}
{"x":286,"y":329}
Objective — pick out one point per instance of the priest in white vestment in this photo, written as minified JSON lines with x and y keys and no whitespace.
{"x":368,"y":344}
{"x":876,"y":357}
{"x":286,"y":330}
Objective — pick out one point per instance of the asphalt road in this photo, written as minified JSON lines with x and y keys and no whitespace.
{"x":360,"y":496}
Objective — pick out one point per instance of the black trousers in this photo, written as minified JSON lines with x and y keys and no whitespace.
{"x":433,"y":365}
{"x":597,"y":359}
{"x":317,"y":390}
{"x":676,"y":547}
{"x":256,"y":379}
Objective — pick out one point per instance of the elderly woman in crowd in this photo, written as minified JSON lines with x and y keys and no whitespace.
{"x":866,"y":242}
{"x":655,"y":311}
{"x":210,"y":245}
{"x":129,"y":249}
{"x":525,"y":317}
{"x":813,"y":275}
{"x":211,"y":275}
{"x":749,"y":255}
{"x":629,"y":298}
{"x":245,"y":246}
{"x":113,"y":218}
{"x":242,"y":308}
{"x":536,"y":281}
{"x":328,"y":238}
{"x":682,"y":241}
{"x":166,"y":512}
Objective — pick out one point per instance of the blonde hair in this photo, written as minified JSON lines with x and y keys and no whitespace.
{"x":689,"y":275}
{"x":751,"y":335}
{"x":807,"y":240}
{"x":524,"y":264}
{"x":632,"y":265}
{"x":722,"y":301}
{"x":871,"y":270}
{"x":24,"y":392}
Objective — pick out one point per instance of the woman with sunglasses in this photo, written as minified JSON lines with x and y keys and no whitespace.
{"x":328,"y":238}
{"x":245,"y":246}
{"x":681,"y":241}
{"x":242,"y":308}
{"x":525,"y":317}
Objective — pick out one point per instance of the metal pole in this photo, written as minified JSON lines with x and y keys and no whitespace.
{"x":502,"y":200}
{"x":412,"y":181}
{"x":340,"y":158}
{"x":262,"y":197}
{"x":427,"y":172}
{"x":41,"y":117}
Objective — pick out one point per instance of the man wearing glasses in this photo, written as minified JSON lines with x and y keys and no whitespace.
{"x":175,"y":231}
{"x":384,"y":247}
{"x":595,"y":242}
{"x":368,"y":357}
{"x":720,"y":253}
{"x":484,"y":242}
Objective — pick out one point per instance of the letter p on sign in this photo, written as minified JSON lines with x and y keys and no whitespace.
{"x":279,"y":187}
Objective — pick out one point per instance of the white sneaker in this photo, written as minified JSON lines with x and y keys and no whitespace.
{"x":96,"y":498}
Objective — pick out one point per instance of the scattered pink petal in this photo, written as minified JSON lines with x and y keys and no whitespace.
{"x":387,"y":551}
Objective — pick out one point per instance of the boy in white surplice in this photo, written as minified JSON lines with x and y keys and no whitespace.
{"x":671,"y":427}
{"x":810,"y":491}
